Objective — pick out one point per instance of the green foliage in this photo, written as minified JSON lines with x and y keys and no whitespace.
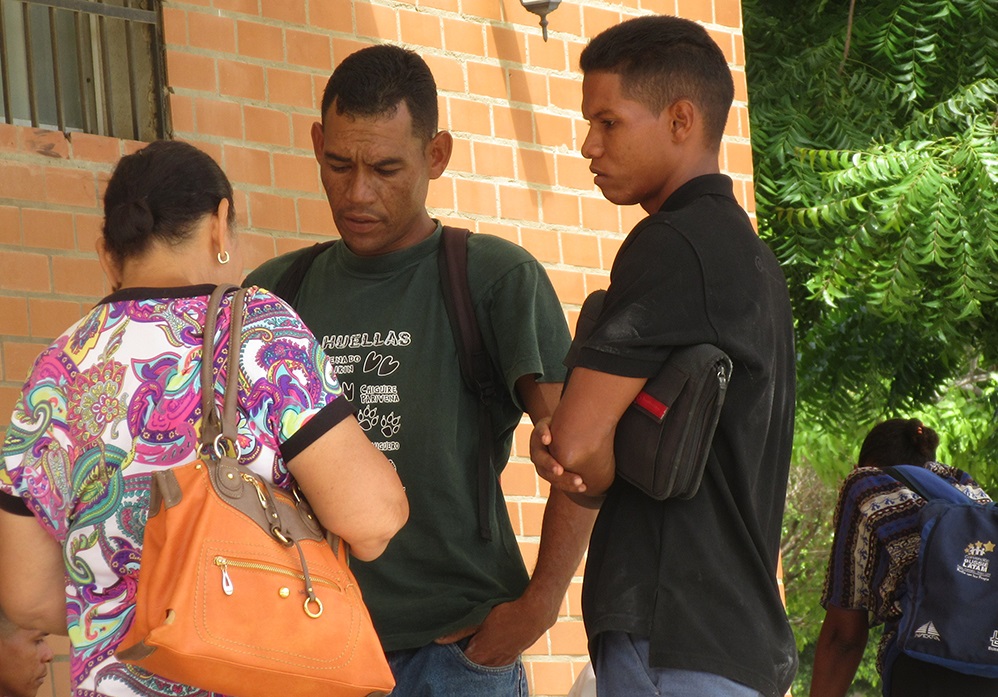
{"x":877,"y":173}
{"x":876,"y":150}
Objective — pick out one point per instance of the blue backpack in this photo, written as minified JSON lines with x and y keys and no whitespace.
{"x":950,"y":609}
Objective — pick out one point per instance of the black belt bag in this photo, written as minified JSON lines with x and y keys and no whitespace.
{"x":664,"y":436}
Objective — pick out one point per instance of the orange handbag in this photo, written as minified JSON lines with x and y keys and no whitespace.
{"x":240,"y":589}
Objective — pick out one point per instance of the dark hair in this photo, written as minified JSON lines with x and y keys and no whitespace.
{"x":661,"y":59}
{"x":898,"y":442}
{"x":162,"y":191}
{"x":375,"y":80}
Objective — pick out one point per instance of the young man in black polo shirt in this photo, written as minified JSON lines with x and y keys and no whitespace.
{"x":680,"y":596}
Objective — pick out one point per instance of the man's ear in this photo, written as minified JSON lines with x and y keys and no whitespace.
{"x":684,"y":119}
{"x":108,"y":264}
{"x":318,"y":141}
{"x":438,"y":152}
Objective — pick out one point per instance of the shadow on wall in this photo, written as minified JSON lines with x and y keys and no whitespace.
{"x":516,"y":90}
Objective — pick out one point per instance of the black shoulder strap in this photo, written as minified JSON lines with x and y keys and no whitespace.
{"x":476,"y":366}
{"x":289,"y":283}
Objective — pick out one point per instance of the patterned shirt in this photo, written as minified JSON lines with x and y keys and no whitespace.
{"x":877,"y":535}
{"x":115,"y":398}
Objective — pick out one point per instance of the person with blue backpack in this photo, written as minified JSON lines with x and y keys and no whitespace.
{"x":881,"y":571}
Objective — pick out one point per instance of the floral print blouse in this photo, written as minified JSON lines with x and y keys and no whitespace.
{"x":115,"y":398}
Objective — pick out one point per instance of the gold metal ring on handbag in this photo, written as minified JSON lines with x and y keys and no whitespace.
{"x":316,"y":614}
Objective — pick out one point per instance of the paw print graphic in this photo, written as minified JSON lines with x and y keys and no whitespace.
{"x":390,"y":425}
{"x":368,"y":417}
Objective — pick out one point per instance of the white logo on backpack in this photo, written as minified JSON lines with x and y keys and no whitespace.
{"x":975,"y":562}
{"x":928,"y":631}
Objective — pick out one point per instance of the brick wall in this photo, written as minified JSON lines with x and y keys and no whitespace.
{"x":246,"y":80}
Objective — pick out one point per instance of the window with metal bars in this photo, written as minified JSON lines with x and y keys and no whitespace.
{"x":83,"y":65}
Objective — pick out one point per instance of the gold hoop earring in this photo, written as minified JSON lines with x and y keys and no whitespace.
{"x":223,"y":257}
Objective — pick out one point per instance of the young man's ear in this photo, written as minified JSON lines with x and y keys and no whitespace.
{"x":683,"y":119}
{"x":438,"y":152}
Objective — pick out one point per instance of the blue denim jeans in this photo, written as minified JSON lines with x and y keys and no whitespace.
{"x":622,"y":670}
{"x":442,"y":670}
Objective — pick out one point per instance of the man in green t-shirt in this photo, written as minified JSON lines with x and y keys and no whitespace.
{"x":454,"y":609}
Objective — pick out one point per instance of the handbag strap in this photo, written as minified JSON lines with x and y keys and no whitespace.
{"x":216,"y":426}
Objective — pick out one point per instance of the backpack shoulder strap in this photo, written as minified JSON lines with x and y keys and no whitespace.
{"x":289,"y":284}
{"x":927,"y":484}
{"x":474,"y":360}
{"x":476,"y":366}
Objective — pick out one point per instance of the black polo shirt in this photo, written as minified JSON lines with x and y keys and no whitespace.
{"x":697,"y":576}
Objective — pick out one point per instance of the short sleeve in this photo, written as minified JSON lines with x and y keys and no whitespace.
{"x":522,"y":319}
{"x":289,"y":379}
{"x":36,"y":452}
{"x":13,"y":504}
{"x":656,"y":300}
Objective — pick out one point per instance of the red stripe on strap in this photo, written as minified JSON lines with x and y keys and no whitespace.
{"x":651,"y":405}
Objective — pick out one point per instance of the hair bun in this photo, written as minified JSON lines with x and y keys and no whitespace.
{"x":131,"y":219}
{"x":924,"y":438}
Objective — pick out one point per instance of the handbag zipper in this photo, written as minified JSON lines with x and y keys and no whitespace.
{"x":313,"y":605}
{"x":312,"y":601}
{"x":227,"y":586}
{"x":699,"y":418}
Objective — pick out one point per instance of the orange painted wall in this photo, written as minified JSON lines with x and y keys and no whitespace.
{"x":246,"y":80}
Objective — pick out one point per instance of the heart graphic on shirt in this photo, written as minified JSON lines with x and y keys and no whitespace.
{"x":388,"y":366}
{"x":384,"y":365}
{"x":372,"y":361}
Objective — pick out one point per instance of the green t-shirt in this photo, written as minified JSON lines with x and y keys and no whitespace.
{"x":383,"y":321}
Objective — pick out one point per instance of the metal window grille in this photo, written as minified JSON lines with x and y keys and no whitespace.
{"x":83,"y":65}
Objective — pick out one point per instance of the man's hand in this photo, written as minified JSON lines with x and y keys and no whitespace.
{"x":547,"y":467}
{"x":507,"y":631}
